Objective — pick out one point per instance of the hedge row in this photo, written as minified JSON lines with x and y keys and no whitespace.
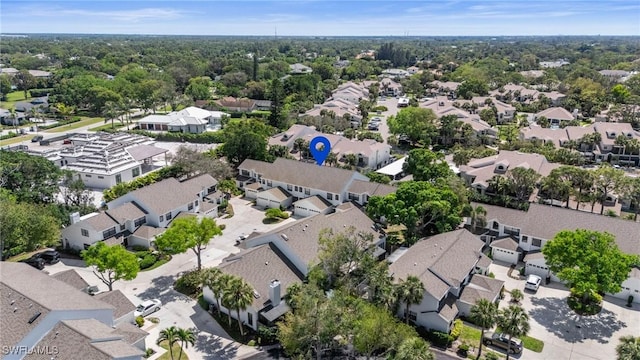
{"x":8,"y":136}
{"x":216,"y":137}
{"x":40,"y":92}
{"x":60,"y":123}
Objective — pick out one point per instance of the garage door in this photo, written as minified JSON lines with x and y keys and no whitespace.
{"x":541,"y":271}
{"x":302,"y":211}
{"x":507,"y":256}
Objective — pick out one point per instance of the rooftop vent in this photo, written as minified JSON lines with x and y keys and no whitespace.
{"x":34,"y":317}
{"x":285,"y":237}
{"x":256,"y":294}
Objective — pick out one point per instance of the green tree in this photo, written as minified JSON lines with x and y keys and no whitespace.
{"x":426,"y":165}
{"x":630,"y":190}
{"x":477,"y":217}
{"x":523,"y":182}
{"x":5,"y":86}
{"x":484,"y":314}
{"x":607,"y":180}
{"x":170,"y":335}
{"x":276,"y":95}
{"x":188,"y":233}
{"x":628,"y":348}
{"x":111,"y":263}
{"x":418,"y":124}
{"x":620,"y":93}
{"x":414,"y":348}
{"x":225,"y":282}
{"x":410,"y":291}
{"x":186,"y":338}
{"x":376,"y":177}
{"x":472,"y":87}
{"x":589,"y":261}
{"x":24,"y":81}
{"x":513,"y":321}
{"x":199,"y":88}
{"x":211,"y":278}
{"x":65,"y":110}
{"x":341,"y":253}
{"x":246,"y":139}
{"x":30,"y":178}
{"x":516,"y":295}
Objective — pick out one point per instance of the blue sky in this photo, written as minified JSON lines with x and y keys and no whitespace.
{"x":323,"y":18}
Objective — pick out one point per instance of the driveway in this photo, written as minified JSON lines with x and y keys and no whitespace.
{"x":177,"y":309}
{"x":566,"y":335}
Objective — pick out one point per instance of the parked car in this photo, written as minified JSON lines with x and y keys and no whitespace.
{"x":147,"y":307}
{"x":34,"y":261}
{"x":533,"y":282}
{"x":49,"y":256}
{"x":502,"y":341}
{"x":375,"y":120}
{"x":37,"y":138}
{"x":373,"y":126}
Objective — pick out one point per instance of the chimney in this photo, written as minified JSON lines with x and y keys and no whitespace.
{"x":274,"y":293}
{"x":74,"y":218}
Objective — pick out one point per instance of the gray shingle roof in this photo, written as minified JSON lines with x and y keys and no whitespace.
{"x":101,"y":221}
{"x":258,"y":267}
{"x":72,"y":278}
{"x":317,"y":201}
{"x":331,"y":179}
{"x":481,"y":287}
{"x":163,"y":196}
{"x":148,"y":232}
{"x":277,"y":193}
{"x":545,"y":222}
{"x":118,"y":300}
{"x":441,"y":261}
{"x":127,"y":211}
{"x":198,"y":183}
{"x":371,"y":188}
{"x":506,"y":243}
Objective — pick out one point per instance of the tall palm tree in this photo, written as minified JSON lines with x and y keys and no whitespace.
{"x":186,"y":337}
{"x":414,"y":348}
{"x":110,"y":111}
{"x":225,"y":283}
{"x":239,"y":296}
{"x":484,"y":314}
{"x":629,"y":348}
{"x":478,"y":218}
{"x":410,"y":292}
{"x":513,"y":321}
{"x":211,"y":278}
{"x":169,"y":334}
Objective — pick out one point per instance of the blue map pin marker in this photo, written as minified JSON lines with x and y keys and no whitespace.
{"x":320,"y":155}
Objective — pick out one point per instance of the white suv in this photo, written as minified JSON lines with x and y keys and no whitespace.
{"x":533,"y":282}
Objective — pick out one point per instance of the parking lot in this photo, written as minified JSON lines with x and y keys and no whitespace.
{"x":177,"y":309}
{"x":566,"y":335}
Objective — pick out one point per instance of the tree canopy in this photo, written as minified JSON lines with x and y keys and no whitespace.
{"x":426,"y":165}
{"x":418,"y":124}
{"x":188,"y":233}
{"x":111,"y":263}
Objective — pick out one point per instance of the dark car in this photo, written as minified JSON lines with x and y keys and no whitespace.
{"x":49,"y":256}
{"x":37,"y":138}
{"x":34,"y":261}
{"x":502,"y":341}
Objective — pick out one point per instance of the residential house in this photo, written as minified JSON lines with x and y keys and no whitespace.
{"x":395,"y":73}
{"x":442,"y":106}
{"x":512,"y":92}
{"x":553,"y":64}
{"x":8,"y":71}
{"x":614,"y":75}
{"x":137,"y":217}
{"x":23,"y":108}
{"x":557,"y":98}
{"x":446,"y":264}
{"x":340,"y":109}
{"x":191,"y":120}
{"x":532,"y":229}
{"x":478,"y":172}
{"x":124,"y":308}
{"x":369,"y":153}
{"x":556,"y":116}
{"x":39,"y":311}
{"x":446,"y":88}
{"x":301,"y":180}
{"x":389,"y":87}
{"x":367,"y":54}
{"x":360,"y":191}
{"x":266,"y":269}
{"x":351,"y":92}
{"x":297,"y":69}
{"x":229,"y":103}
{"x":312,"y":205}
{"x":413,"y":70}
{"x":532,"y":74}
{"x":298,"y":242}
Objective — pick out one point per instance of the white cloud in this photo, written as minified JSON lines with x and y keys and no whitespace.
{"x":120,"y":15}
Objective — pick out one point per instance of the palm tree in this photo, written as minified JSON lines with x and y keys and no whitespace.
{"x":170,"y":335}
{"x":414,"y":348}
{"x":186,"y":337}
{"x":65,"y":110}
{"x":332,"y":159}
{"x":225,"y":283}
{"x":513,"y":321}
{"x":516,"y":295}
{"x":478,"y":218}
{"x":212,"y":278}
{"x":110,"y":111}
{"x":629,"y":348}
{"x":484,"y":314}
{"x":239,"y":296}
{"x":410,"y":292}
{"x":298,"y":144}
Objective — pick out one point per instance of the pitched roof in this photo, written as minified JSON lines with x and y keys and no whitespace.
{"x":126,"y":211}
{"x":370,"y":188}
{"x":331,"y":179}
{"x":163,"y":196}
{"x":507,"y":243}
{"x":441,"y":261}
{"x":485,"y":168}
{"x":72,"y":278}
{"x":481,"y":287}
{"x":545,"y":222}
{"x":302,"y":236}
{"x":556,"y":113}
{"x":100,"y":221}
{"x":30,"y":291}
{"x":317,"y":201}
{"x":277,"y":193}
{"x":148,"y":232}
{"x":143,"y":151}
{"x":260,"y":265}
{"x":118,"y":300}
{"x":198,"y":183}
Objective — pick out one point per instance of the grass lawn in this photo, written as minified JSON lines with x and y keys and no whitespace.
{"x":176,"y":352}
{"x":263,"y":112}
{"x":471,"y":336}
{"x":23,"y":256}
{"x":78,"y":124}
{"x":12,"y":98}
{"x":532,"y":344}
{"x":233,"y":330}
{"x":116,"y":125}
{"x":15,"y":140}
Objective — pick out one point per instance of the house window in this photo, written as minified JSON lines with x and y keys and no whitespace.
{"x":121,"y":227}
{"x":297,"y":188}
{"x":118,"y":178}
{"x":109,"y":233}
{"x":139,"y":222}
{"x":329,"y":196}
{"x":100,"y":177}
{"x":86,"y":246}
{"x":196,"y":202}
{"x":413,"y":316}
{"x":190,"y":206}
{"x":289,"y":187}
{"x":307,"y":191}
{"x":245,"y":172}
{"x":495,"y":225}
{"x":87,"y":175}
{"x":269,"y":183}
{"x":536,"y":242}
{"x":525,"y":239}
{"x":168,"y":215}
{"x":353,"y":196}
{"x":250,"y":319}
{"x":84,"y":232}
{"x":161,"y":218}
{"x":337,"y":197}
{"x":135,"y":172}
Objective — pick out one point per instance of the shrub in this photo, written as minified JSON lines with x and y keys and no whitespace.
{"x":139,"y":248}
{"x":267,"y":335}
{"x":222,"y":226}
{"x":439,"y":338}
{"x":189,"y":283}
{"x":489,"y":355}
{"x":380,"y":108}
{"x":251,"y":343}
{"x":40,"y":92}
{"x":8,"y":136}
{"x":516,"y":295}
{"x":457,"y":329}
{"x":275,"y":213}
{"x":139,"y":321}
{"x":463,"y":349}
{"x":147,"y":261}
